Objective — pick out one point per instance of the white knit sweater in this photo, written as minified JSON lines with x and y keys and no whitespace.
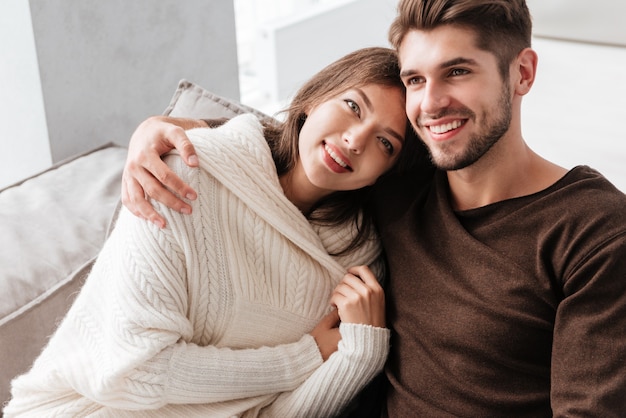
{"x":209,"y":316}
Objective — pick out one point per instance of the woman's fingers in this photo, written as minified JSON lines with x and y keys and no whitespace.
{"x":359,"y":298}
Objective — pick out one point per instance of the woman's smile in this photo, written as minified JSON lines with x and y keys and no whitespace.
{"x":335,"y":159}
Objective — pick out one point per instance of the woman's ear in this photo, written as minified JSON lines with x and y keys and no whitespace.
{"x":524,"y":71}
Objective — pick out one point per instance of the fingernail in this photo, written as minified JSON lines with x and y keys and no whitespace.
{"x":191,"y":196}
{"x":185,"y":211}
{"x":193,"y":159}
{"x":158,"y":223}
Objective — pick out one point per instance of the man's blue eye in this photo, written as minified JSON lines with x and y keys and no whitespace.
{"x":458,"y":71}
{"x":414,"y":81}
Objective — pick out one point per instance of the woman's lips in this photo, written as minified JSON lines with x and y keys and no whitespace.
{"x":335,"y":160}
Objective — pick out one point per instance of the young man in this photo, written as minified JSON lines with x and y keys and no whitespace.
{"x":507,"y":293}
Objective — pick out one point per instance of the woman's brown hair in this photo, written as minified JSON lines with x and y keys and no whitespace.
{"x":375,"y":65}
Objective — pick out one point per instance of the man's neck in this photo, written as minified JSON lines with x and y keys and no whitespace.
{"x":496,"y":177}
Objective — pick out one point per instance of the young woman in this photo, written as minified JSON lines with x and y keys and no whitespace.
{"x":251,"y":305}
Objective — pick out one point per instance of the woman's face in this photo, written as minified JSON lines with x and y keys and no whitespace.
{"x":350,"y":140}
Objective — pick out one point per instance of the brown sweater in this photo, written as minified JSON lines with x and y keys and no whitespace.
{"x":513,"y":309}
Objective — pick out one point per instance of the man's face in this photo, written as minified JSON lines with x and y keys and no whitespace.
{"x":456,"y":98}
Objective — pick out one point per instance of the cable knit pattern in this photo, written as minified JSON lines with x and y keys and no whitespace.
{"x":209,"y":316}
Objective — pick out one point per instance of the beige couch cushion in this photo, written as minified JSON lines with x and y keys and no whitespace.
{"x":52,"y":226}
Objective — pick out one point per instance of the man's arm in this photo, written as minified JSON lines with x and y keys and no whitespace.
{"x":145,"y":174}
{"x":588,"y":368}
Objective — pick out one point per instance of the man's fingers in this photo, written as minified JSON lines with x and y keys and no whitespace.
{"x":134,"y":192}
{"x":166,"y":177}
{"x":179,"y":140}
{"x":133,"y":198}
{"x":188,"y":152}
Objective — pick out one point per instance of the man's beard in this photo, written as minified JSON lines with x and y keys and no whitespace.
{"x":479,"y":143}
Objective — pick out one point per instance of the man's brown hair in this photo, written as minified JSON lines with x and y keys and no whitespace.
{"x":502,"y":27}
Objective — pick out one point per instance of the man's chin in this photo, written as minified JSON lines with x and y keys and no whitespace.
{"x":450,"y":163}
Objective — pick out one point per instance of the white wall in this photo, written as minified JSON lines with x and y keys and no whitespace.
{"x":290,"y":50}
{"x":87,"y":72}
{"x":116,"y":62}
{"x":574,"y":111}
{"x":22,"y":116}
{"x":572,"y":115}
{"x":600,"y":21}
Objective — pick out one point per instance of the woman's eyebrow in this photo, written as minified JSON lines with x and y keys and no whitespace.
{"x":394,"y":134}
{"x":370,"y":107}
{"x":366,"y":99}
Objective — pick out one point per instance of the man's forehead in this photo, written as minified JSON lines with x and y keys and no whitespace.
{"x":443,"y":46}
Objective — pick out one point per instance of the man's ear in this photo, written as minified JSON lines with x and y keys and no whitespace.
{"x":524,"y":70}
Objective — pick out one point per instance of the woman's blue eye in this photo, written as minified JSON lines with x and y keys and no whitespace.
{"x":353,"y":106}
{"x":387,"y":145}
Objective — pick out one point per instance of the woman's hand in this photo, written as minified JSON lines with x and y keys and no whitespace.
{"x":359,"y":298}
{"x":145,"y":174}
{"x":326,"y":334}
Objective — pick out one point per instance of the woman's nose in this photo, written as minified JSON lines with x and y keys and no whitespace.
{"x":355,"y":140}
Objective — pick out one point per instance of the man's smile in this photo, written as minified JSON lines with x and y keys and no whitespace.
{"x":446,"y":127}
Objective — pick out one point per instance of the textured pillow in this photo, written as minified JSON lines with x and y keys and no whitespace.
{"x":192,"y":101}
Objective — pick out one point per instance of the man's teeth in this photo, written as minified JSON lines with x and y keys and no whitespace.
{"x":335,"y":157}
{"x":440,"y":129}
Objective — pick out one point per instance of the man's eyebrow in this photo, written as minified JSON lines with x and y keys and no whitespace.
{"x":406,"y":73}
{"x":446,"y":64}
{"x":458,"y":61}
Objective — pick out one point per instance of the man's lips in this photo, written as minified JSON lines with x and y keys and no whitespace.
{"x":336,"y":157}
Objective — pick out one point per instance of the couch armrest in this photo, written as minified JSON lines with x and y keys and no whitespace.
{"x":52,"y":227}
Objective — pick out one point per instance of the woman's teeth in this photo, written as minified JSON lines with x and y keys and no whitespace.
{"x":335,"y":157}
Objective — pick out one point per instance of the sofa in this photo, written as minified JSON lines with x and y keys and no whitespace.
{"x":52,"y":226}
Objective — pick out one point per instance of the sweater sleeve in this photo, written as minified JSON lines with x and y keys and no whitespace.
{"x":209,"y":374}
{"x":360,"y":357}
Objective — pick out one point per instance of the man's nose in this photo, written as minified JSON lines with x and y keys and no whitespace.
{"x":435,"y":97}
